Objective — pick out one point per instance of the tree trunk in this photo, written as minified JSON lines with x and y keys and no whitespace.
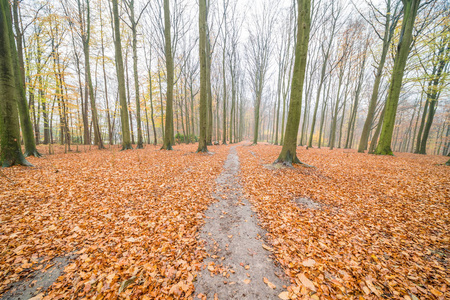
{"x":388,"y":33}
{"x":209,"y":119}
{"x":352,"y":122}
{"x":373,"y":143}
{"x":288,"y":153}
{"x":322,"y":117}
{"x":126,"y":142}
{"x":85,"y":36}
{"x":161,"y":104}
{"x":168,"y":136}
{"x":202,"y":142}
{"x":406,"y":36}
{"x":11,"y":152}
{"x":151,"y":101}
{"x":433,"y":92}
{"x":140,"y":143}
{"x":108,"y":114}
{"x":224,"y":111}
{"x":19,"y":74}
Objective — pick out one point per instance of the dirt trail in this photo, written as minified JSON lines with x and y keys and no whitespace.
{"x":37,"y":282}
{"x":234,"y":244}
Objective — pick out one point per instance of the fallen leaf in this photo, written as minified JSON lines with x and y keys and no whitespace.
{"x":124,"y":285}
{"x":37,"y":297}
{"x":269,"y":284}
{"x":267,"y":247}
{"x":309,"y":262}
{"x":306,"y":282}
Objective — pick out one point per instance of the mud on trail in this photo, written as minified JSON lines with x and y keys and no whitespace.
{"x":238,"y":266}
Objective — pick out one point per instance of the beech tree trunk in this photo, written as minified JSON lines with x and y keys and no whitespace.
{"x":410,"y":11}
{"x":387,"y":37}
{"x":288,"y":153}
{"x":11,"y":152}
{"x":168,"y":135}
{"x":140,"y":143}
{"x":19,"y":74}
{"x":202,"y":142}
{"x":126,"y":142}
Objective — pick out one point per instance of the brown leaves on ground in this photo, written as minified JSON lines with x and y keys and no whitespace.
{"x":380,"y":228}
{"x":132,"y":218}
{"x":368,"y":227}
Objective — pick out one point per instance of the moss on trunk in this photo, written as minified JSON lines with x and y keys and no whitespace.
{"x":202,"y":143}
{"x":288,"y":153}
{"x":25,"y":120}
{"x":168,"y":135}
{"x":406,"y":36}
{"x":11,"y":152}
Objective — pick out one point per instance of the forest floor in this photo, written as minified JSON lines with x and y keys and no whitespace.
{"x":135,"y":225}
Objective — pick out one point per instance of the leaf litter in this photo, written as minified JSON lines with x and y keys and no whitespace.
{"x":382,"y":230}
{"x":132,"y":218}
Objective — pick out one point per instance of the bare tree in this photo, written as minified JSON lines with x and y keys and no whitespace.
{"x":258,"y":52}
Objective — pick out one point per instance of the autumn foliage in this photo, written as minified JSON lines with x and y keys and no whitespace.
{"x":130,"y":214}
{"x":379,"y":227}
{"x":374,"y":227}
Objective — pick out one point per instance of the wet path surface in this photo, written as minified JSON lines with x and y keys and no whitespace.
{"x":238,"y":267}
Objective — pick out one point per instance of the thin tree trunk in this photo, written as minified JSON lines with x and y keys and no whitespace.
{"x":126,"y":142}
{"x":202,"y":143}
{"x":140,"y":143}
{"x":168,"y":136}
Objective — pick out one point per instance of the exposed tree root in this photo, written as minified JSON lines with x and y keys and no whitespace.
{"x":126,"y":148}
{"x":17,"y":161}
{"x":169,"y":147}
{"x":34,"y":153}
{"x":289,"y":160}
{"x":203,"y":150}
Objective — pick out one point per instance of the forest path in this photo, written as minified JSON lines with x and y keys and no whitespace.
{"x":34,"y":285}
{"x":237,"y":262}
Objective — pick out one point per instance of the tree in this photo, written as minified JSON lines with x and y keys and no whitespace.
{"x":439,"y":58}
{"x":126,"y":142}
{"x":259,"y":50}
{"x":391,"y":19}
{"x":19,"y":74}
{"x":433,"y":91}
{"x":352,"y":120}
{"x":224,"y":76}
{"x":11,"y":152}
{"x":202,"y":143}
{"x":410,"y":8}
{"x":288,"y":154}
{"x":168,"y":135}
{"x":134,"y":22}
{"x":85,"y":38}
{"x":347,"y":44}
{"x":335,"y":13}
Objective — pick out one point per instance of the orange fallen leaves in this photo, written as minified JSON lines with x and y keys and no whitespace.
{"x":131,"y":217}
{"x":376,"y":226}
